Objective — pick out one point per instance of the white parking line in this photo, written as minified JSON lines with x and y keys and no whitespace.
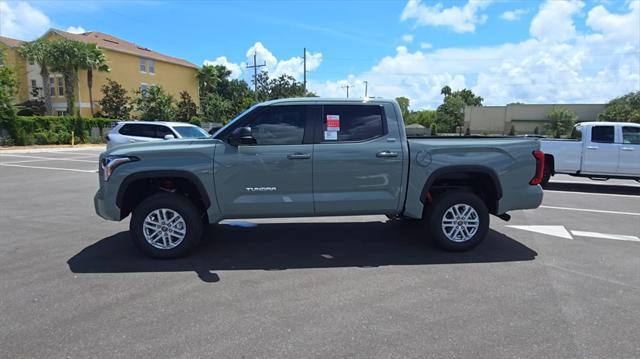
{"x":591,"y":210}
{"x":594,"y":194}
{"x":619,"y":237}
{"x":48,"y":168}
{"x":48,"y":158}
{"x":597,"y":183}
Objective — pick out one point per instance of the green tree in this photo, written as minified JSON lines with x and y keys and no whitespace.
{"x":216,"y":108}
{"x":8,"y":88}
{"x":403,"y":102}
{"x":451,"y":113}
{"x":39,"y":52}
{"x":94,"y":59}
{"x":115,"y":102}
{"x":154,"y":104}
{"x":186,"y":108}
{"x":624,"y":108}
{"x":561,"y":121}
{"x":68,"y":57}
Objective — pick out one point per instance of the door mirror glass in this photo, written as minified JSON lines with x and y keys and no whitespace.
{"x":169,"y":137}
{"x":241,"y":136}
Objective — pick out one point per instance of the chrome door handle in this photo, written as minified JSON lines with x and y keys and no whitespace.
{"x":592,"y":147}
{"x":627,"y":148}
{"x":386,"y":154}
{"x":299,"y":156}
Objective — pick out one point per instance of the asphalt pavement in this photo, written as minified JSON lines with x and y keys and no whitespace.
{"x":561,"y":281}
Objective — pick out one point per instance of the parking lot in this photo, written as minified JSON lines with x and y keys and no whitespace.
{"x":559,"y":281}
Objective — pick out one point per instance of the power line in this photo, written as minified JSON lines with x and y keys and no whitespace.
{"x":255,"y":74}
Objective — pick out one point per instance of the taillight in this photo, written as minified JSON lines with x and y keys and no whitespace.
{"x":537,"y":179}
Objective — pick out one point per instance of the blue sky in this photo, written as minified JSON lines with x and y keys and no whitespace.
{"x":505,"y":50}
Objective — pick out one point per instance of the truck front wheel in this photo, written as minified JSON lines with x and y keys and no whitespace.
{"x":166,"y":225}
{"x":458,"y":221}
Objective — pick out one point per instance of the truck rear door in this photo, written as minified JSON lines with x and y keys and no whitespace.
{"x":630,"y":151}
{"x":601,"y":151}
{"x":357,"y":161}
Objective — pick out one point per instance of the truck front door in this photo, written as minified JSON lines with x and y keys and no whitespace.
{"x":601,"y":152}
{"x":272,"y":177}
{"x":357,"y":161}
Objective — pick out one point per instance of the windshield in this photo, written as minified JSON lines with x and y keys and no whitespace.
{"x":191,"y":132}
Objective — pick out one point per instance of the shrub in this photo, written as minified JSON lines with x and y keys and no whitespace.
{"x":56,"y":130}
{"x":195,"y":120}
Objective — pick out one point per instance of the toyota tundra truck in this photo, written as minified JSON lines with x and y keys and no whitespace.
{"x":317,"y":157}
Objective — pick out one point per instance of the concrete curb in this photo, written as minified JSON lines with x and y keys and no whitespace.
{"x":52,"y":149}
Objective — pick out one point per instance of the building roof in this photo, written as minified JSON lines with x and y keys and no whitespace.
{"x":10,"y":42}
{"x":117,"y":44}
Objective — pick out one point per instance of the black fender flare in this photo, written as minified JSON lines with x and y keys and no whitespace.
{"x":189,"y":176}
{"x":461,"y":169}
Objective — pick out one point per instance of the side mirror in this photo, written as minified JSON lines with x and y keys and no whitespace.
{"x":241,"y":136}
{"x":169,"y":137}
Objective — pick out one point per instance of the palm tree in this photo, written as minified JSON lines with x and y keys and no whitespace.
{"x":67,"y":58}
{"x":39,"y":52}
{"x":94,"y":60}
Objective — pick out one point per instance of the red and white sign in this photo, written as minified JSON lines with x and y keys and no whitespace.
{"x":333,"y":122}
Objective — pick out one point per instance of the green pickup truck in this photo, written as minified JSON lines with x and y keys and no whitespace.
{"x":317,"y":157}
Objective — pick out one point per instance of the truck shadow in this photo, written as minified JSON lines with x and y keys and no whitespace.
{"x":293,"y":246}
{"x":593,"y":188}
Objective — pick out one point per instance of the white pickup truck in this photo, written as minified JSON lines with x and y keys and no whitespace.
{"x":598,"y":150}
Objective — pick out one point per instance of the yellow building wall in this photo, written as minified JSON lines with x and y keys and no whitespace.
{"x":125,"y":70}
{"x":19,"y":65}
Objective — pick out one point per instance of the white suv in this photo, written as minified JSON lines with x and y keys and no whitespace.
{"x":143,"y":131}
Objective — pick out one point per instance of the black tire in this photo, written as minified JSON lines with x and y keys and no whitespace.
{"x":437,"y":210}
{"x":546,"y":175}
{"x":182,"y":206}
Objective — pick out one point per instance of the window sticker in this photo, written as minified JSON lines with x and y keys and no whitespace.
{"x":330,"y":135}
{"x":333,"y":122}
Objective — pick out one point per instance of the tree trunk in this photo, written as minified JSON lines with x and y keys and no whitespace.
{"x":90,"y":85}
{"x":70,"y":84}
{"x":46,"y":88}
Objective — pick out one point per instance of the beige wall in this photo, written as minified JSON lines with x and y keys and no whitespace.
{"x":18,"y":64}
{"x":525,"y":118}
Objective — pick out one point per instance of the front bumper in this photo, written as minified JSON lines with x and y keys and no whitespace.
{"x":106,"y":209}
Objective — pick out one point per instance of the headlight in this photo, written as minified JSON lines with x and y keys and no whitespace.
{"x":110,"y":163}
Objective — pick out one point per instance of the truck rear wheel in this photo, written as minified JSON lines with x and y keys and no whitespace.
{"x":165,"y":225}
{"x":458,"y":221}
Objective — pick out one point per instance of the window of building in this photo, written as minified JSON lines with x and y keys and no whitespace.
{"x":353,"y":122}
{"x":152,"y":67}
{"x":602,"y":134}
{"x":143,"y":87}
{"x":52,"y":86}
{"x":61,"y":113}
{"x":33,"y":85}
{"x":143,"y":65}
{"x":279,"y":126}
{"x":631,"y":135}
{"x":60,"y":86}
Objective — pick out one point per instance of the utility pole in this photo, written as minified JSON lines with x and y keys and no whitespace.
{"x":255,"y":74}
{"x":304,"y":69}
{"x":366,"y":88}
{"x":347,"y":87}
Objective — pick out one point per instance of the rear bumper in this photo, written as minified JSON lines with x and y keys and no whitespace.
{"x":105,"y":209}
{"x":530,"y":198}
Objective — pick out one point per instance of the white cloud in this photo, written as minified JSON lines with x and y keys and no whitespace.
{"x":425,"y":45}
{"x":460,"y":19}
{"x":588,"y":67}
{"x":236,"y":69}
{"x":513,"y":15}
{"x":407,"y":38}
{"x":22,"y":21}
{"x":554,"y":20}
{"x":76,"y":29}
{"x":293,"y":66}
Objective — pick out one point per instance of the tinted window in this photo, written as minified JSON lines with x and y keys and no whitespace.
{"x":191,"y":132}
{"x":279,"y":125}
{"x":631,"y":135}
{"x":162,"y":131}
{"x":352,"y":122}
{"x":138,"y":130}
{"x":602,"y":134}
